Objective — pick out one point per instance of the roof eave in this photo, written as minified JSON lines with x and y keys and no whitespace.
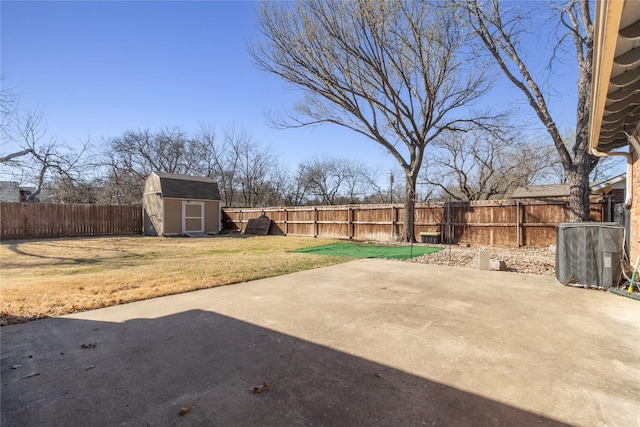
{"x":607,"y":24}
{"x":614,"y":120}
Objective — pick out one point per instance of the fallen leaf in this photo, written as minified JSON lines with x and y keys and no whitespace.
{"x":88,"y":345}
{"x":186,"y":408}
{"x":261,"y":388}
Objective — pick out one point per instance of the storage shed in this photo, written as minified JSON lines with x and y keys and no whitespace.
{"x":177,"y":205}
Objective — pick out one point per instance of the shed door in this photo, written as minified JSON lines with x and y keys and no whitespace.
{"x":192,"y":217}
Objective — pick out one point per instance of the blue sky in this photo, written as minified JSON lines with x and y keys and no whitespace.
{"x":97,"y":69}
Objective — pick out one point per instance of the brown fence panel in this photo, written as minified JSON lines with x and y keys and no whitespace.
{"x":540,"y":222}
{"x":277,"y":220}
{"x":495,"y":222}
{"x":300,"y":221}
{"x":238,"y":219}
{"x":333,"y":221}
{"x":430,"y":218}
{"x":231,"y":220}
{"x":373,"y":222}
{"x":42,"y":220}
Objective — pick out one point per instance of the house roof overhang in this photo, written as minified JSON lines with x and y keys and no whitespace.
{"x":615,"y":88}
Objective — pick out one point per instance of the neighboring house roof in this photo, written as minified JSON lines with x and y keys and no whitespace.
{"x":9,"y":191}
{"x":615,"y":104}
{"x":615,"y":182}
{"x":562,"y":190}
{"x":541,"y":191}
{"x":176,"y":186}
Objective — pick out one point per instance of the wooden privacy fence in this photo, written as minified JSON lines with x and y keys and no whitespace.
{"x":501,"y":223}
{"x":42,"y":220}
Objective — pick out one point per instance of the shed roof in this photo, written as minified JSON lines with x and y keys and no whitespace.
{"x":174,"y":186}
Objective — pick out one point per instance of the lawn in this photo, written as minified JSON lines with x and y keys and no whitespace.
{"x":362,"y":250}
{"x":46,"y":278}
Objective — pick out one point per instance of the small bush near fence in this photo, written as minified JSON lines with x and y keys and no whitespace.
{"x":43,"y":220}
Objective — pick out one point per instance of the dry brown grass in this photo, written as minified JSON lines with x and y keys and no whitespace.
{"x":47,"y":278}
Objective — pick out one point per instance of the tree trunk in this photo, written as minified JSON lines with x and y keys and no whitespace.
{"x":408,"y":234}
{"x":579,"y":190}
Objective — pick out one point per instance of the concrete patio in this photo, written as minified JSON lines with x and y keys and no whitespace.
{"x":369,"y":342}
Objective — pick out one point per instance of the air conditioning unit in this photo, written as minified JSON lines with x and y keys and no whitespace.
{"x":588,"y":254}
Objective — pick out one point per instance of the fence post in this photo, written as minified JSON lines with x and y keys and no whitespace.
{"x":517,"y":223}
{"x":393,"y":222}
{"x":449,"y":237}
{"x":349,"y":223}
{"x":286,"y":222}
{"x":315,"y":221}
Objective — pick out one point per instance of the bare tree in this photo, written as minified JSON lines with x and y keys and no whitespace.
{"x":296,"y":192}
{"x":169,"y":150}
{"x":333,"y":180}
{"x":222,"y":165}
{"x":7,"y":99}
{"x":377,"y":192}
{"x":607,"y":167}
{"x":254,"y":167}
{"x":381,"y":186}
{"x":247,"y":174}
{"x":33,"y":156}
{"x":277,"y":187}
{"x":131,"y":157}
{"x":354,"y":184}
{"x":396,"y":72}
{"x":485,"y":165}
{"x":501,"y":28}
{"x":323,"y":180}
{"x":65,"y":190}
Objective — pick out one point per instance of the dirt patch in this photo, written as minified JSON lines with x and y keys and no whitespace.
{"x":539,"y":261}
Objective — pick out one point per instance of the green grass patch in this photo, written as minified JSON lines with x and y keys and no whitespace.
{"x":363,"y":250}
